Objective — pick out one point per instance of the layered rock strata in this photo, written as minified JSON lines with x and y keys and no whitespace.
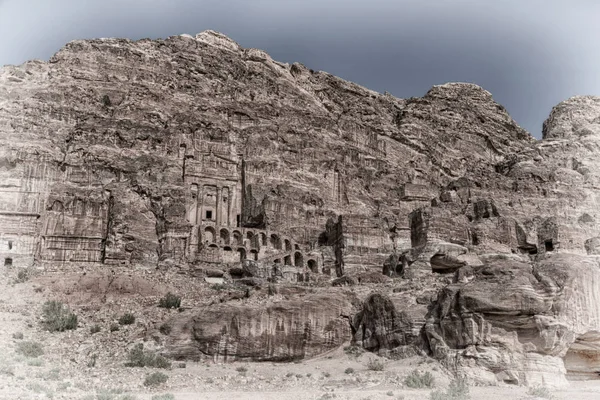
{"x":196,"y":154}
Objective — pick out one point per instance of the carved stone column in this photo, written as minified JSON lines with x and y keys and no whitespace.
{"x":218,"y":210}
{"x":229,"y":209}
{"x":200,"y":204}
{"x":192,"y":249}
{"x":193,"y":207}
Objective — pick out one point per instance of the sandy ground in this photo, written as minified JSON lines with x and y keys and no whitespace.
{"x":66,"y":370}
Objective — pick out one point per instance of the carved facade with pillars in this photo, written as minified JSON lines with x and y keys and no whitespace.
{"x":214,"y":177}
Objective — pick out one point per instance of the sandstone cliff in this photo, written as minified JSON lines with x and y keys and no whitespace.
{"x":192,"y":153}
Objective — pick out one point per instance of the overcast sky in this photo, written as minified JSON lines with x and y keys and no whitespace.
{"x":530,"y":54}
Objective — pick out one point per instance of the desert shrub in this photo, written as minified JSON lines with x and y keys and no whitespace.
{"x":92,"y":361}
{"x":329,"y":396}
{"x":218,"y":287}
{"x":375,"y":365}
{"x":114,"y":327}
{"x":138,"y":357}
{"x":458,"y":390}
{"x":170,"y":301}
{"x":106,"y":101}
{"x":326,"y":374}
{"x":128,"y":396}
{"x":7,"y":370}
{"x":30,"y":349}
{"x":39,"y":388}
{"x":95,"y":329}
{"x":165,"y":329}
{"x":417,"y":380}
{"x":540,"y":391}
{"x":127,"y":319}
{"x":242,"y":369}
{"x":57,"y":317}
{"x":165,"y":396}
{"x":289,"y":374}
{"x":113,"y":394}
{"x":155,"y":379}
{"x":35,"y":362}
{"x":52,"y":375}
{"x":18,"y":335}
{"x":22,"y":276}
{"x":349,"y":371}
{"x":353,"y":351}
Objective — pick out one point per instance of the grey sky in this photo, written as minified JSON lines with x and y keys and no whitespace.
{"x":531,"y":54}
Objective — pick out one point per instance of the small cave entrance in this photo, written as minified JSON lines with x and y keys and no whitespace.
{"x":549,"y":245}
{"x":8,"y":262}
{"x":312,"y":265}
{"x":474,"y":239}
{"x":209,"y":234}
{"x":224,"y":235}
{"x":275,"y":242}
{"x":532,"y":250}
{"x":236,"y":273}
{"x":242,"y":252}
{"x":238,"y":239}
{"x":299,"y":260}
{"x":582,"y":361}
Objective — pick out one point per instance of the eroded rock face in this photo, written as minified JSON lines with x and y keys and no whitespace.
{"x":577,"y":116}
{"x":523,"y":310}
{"x":196,"y":150}
{"x":93,"y":289}
{"x":277,"y":331}
{"x":196,"y":154}
{"x":390,"y":325}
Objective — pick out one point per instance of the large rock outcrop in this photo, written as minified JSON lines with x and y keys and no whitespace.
{"x":517,"y":320}
{"x":276,"y":331}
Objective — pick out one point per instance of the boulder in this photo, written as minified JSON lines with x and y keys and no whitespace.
{"x":289,"y":330}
